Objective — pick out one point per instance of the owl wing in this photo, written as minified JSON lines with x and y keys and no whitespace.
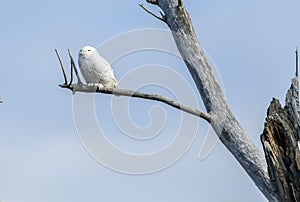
{"x":108,"y":79}
{"x":100,"y":65}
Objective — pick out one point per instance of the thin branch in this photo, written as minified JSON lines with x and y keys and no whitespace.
{"x":297,"y":62}
{"x":73,"y":66}
{"x":71,"y":71}
{"x":163,"y":18}
{"x":138,"y":94}
{"x":62,"y":67}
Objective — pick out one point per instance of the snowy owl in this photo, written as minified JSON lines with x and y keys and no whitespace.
{"x":95,"y":69}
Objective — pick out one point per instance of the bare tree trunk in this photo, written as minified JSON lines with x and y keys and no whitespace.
{"x":280,"y":140}
{"x":222,"y":120}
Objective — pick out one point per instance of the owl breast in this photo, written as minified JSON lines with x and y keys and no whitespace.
{"x":89,"y":72}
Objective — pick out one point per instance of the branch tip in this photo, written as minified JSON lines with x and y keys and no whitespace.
{"x":72,"y":66}
{"x":297,"y":64}
{"x":163,"y":18}
{"x":62,"y":67}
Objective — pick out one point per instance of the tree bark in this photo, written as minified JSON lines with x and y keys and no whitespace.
{"x":138,"y":94}
{"x":280,"y":140}
{"x":222,"y":120}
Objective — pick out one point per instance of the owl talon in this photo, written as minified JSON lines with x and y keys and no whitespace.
{"x":99,"y":85}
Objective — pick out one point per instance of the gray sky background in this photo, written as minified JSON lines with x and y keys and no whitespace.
{"x":41,"y":157}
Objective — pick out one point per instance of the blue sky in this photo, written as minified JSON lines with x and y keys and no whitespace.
{"x":42,"y":159}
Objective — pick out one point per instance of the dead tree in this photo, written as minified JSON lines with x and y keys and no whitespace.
{"x":281,"y":144}
{"x":218,"y":113}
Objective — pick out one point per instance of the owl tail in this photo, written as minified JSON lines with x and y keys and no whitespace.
{"x":115,"y":85}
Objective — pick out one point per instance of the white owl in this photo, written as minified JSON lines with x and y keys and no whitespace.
{"x":95,"y":69}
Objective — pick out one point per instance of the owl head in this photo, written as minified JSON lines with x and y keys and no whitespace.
{"x":87,"y":51}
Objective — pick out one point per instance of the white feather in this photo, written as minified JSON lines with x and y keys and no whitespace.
{"x":95,"y":69}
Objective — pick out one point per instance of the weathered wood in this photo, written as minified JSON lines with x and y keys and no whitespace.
{"x":223,"y":121}
{"x":138,"y":94}
{"x":280,"y":140}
